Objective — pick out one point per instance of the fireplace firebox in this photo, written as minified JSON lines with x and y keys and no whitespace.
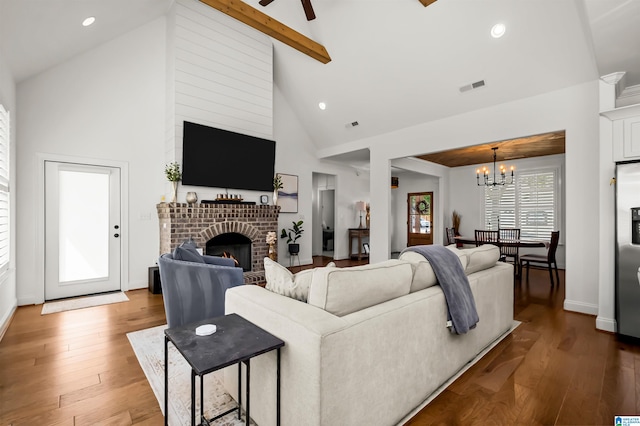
{"x":236,"y":246}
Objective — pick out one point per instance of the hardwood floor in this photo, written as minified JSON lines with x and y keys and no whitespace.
{"x":78,"y":368}
{"x":554,"y":369}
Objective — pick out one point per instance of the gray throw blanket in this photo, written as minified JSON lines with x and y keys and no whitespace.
{"x":455,"y":285}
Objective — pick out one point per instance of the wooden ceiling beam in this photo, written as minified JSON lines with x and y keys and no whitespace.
{"x":269,"y":26}
{"x":426,"y":3}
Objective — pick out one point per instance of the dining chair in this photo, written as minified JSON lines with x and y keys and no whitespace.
{"x":451,"y":235}
{"x":485,"y":237}
{"x":549,"y":260}
{"x":508,"y":235}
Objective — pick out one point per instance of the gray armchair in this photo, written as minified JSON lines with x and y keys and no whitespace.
{"x":194,"y":291}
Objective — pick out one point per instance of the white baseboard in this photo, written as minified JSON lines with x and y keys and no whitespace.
{"x":580,"y":307}
{"x":606,"y":324}
{"x":29,"y":300}
{"x":135,"y":285}
{"x":6,"y":320}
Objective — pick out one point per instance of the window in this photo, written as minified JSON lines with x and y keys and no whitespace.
{"x":537,"y":204}
{"x":531,"y":204}
{"x":4,"y":189}
{"x":500,"y":207}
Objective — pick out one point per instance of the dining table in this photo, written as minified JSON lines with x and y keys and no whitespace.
{"x":505,"y":243}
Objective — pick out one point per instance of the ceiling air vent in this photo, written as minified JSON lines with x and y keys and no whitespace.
{"x":476,"y":85}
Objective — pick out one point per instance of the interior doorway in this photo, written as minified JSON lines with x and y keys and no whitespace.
{"x":324,"y":215}
{"x":327,"y":213}
{"x":419,"y":218}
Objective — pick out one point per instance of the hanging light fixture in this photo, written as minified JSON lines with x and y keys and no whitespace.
{"x":501,"y":179}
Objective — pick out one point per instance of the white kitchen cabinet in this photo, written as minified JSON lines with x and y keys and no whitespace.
{"x":626,"y":132}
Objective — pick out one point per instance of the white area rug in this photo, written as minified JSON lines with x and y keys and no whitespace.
{"x":83,"y":302}
{"x":149,"y":348}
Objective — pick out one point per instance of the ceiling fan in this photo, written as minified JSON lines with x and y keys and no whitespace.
{"x":308,"y":8}
{"x":306,"y":5}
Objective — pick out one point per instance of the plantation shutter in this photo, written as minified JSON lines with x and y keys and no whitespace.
{"x":499,"y":207}
{"x":537,"y":200}
{"x":4,"y":189}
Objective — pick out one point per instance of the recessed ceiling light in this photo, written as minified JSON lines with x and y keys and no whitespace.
{"x":322,"y":106}
{"x":498,"y":30}
{"x":90,"y":20}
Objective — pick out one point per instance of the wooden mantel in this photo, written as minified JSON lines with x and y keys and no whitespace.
{"x":251,"y":16}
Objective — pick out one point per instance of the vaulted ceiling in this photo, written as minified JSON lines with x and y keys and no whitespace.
{"x":395,"y":63}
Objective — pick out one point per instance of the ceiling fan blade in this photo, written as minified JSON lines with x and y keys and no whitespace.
{"x":264,"y":2}
{"x":426,"y":3}
{"x":308,"y":10}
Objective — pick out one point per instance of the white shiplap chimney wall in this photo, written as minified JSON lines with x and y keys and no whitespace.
{"x":219,"y":74}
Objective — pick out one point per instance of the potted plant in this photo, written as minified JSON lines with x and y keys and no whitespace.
{"x":456,"y":218}
{"x":292,"y":236}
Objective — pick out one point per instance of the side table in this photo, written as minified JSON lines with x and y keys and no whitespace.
{"x":235,"y":341}
{"x":155,"y":286}
{"x":357,"y":233}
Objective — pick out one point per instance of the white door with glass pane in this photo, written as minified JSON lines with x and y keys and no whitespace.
{"x":82,"y":229}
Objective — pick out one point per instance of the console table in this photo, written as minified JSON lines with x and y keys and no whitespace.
{"x":359,"y":234}
{"x":235,"y":341}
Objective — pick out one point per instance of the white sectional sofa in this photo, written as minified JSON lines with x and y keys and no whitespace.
{"x":371,"y":342}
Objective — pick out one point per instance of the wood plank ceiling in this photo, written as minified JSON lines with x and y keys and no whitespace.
{"x":526,"y":147}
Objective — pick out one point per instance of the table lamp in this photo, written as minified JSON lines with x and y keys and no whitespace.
{"x":361,"y":206}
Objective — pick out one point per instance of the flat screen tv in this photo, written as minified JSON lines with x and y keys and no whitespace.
{"x":223,"y":159}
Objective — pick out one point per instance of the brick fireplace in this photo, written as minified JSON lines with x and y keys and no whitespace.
{"x":204,"y":222}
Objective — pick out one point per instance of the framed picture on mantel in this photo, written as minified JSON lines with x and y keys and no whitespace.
{"x":288,"y":194}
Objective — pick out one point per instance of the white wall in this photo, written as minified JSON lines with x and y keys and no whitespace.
{"x":574,"y":109}
{"x":106,"y":104}
{"x":297,"y":155}
{"x":8,"y":299}
{"x":222,"y":77}
{"x":411,"y":182}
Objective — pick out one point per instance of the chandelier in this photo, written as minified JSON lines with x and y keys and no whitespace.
{"x":501,"y":179}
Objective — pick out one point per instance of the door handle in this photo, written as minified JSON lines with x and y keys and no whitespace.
{"x":116,"y":235}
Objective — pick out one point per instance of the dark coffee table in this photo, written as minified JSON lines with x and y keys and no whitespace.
{"x":236,"y":341}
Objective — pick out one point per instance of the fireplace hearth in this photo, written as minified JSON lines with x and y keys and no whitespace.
{"x":210,"y":222}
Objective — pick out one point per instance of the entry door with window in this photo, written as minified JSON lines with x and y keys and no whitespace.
{"x":82,"y":229}
{"x":420,"y":218}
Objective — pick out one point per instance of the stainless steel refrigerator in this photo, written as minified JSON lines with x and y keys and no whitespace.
{"x":628,"y":249}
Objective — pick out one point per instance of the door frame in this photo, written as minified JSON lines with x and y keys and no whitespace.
{"x":432,"y":214}
{"x":40,"y":218}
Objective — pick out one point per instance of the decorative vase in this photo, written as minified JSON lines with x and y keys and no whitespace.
{"x":275,"y":197}
{"x":192,"y":197}
{"x":175,"y":191}
{"x":273,"y":255}
{"x":294,"y":248}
